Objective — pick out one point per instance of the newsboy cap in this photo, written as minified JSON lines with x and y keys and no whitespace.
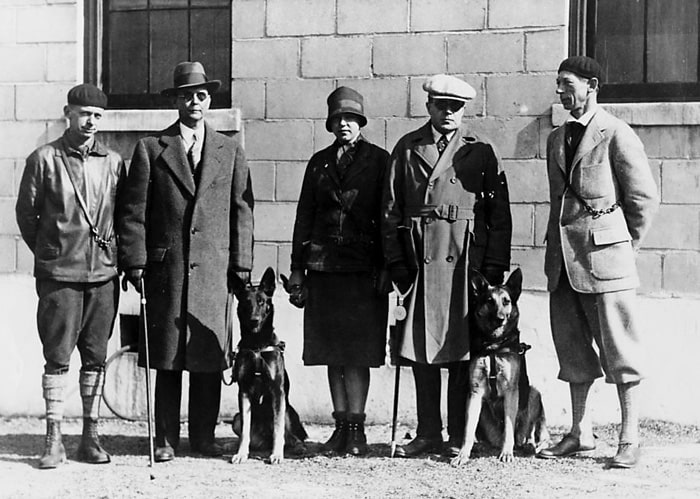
{"x":87,"y":94}
{"x":190,"y":75}
{"x":448,"y":87}
{"x":344,"y":100}
{"x":585,"y":67}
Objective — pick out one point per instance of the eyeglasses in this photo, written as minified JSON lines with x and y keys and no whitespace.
{"x":201,"y":95}
{"x":445,"y":104}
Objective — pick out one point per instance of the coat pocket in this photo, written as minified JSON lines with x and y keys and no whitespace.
{"x":612,"y":256}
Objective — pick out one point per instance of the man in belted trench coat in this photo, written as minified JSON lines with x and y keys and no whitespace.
{"x":445,"y":210}
{"x":603,"y":198}
{"x":186,"y":226}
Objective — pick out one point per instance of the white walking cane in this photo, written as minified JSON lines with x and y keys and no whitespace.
{"x":149,"y":410}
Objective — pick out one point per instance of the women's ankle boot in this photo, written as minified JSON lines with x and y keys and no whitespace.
{"x":357,"y":440}
{"x":340,"y":434}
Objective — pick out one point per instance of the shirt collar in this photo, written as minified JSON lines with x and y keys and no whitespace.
{"x":187,"y":132}
{"x":584,"y":120}
{"x":437,"y":135}
{"x":93,"y":147}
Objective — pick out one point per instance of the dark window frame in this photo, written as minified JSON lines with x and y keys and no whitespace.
{"x":96,"y":69}
{"x":582,"y":41}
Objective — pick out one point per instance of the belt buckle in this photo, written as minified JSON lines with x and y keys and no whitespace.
{"x":452,"y":212}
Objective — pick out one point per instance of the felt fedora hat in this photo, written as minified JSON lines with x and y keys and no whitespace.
{"x":190,"y":75}
{"x":345,"y":100}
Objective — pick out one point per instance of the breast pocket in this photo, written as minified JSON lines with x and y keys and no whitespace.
{"x":595,"y":181}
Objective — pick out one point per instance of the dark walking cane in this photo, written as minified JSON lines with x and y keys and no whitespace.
{"x":149,"y":410}
{"x":397,"y":378}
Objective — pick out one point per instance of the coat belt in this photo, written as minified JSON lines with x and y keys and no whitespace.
{"x":450,"y":212}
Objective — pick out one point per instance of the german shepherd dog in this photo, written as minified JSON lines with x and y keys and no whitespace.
{"x":266,"y":418}
{"x":513,"y":414}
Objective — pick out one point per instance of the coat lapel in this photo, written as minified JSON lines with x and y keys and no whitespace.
{"x":452,"y":153}
{"x":591,"y":138}
{"x":425,"y":147}
{"x":175,"y":157}
{"x":212,"y":158}
{"x":360,"y":162}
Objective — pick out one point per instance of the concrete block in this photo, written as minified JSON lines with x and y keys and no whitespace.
{"x":8,"y":25}
{"x":7,"y":178}
{"x":418,"y":96}
{"x":25,"y":258}
{"x":675,"y":227}
{"x":523,"y":216}
{"x":264,"y":256}
{"x":249,"y":96}
{"x":300,"y":17}
{"x":531,"y":261}
{"x":248,"y":19}
{"x":682,"y":272}
{"x":544,"y":50}
{"x":277,"y":140}
{"x":262,"y":174}
{"x":290,"y":175}
{"x":8,"y":225}
{"x":518,"y":13}
{"x":274,"y":221}
{"x":544,"y":129}
{"x":370,"y":16}
{"x":519,"y":95}
{"x":476,"y":52}
{"x":36,"y":102}
{"x":7,"y":102}
{"x":8,"y":254}
{"x":514,"y":138}
{"x":62,"y":62}
{"x":398,"y":127}
{"x":284,"y":258}
{"x":385,"y":97}
{"x":52,"y":23}
{"x":448,"y":15}
{"x":298,"y":98}
{"x":541,"y":220}
{"x":20,"y":138}
{"x":22,"y":63}
{"x":527,"y":181}
{"x":680,"y":183}
{"x":649,"y":268}
{"x":336,"y":57}
{"x":276,"y":58}
{"x":322,"y":137}
{"x":409,"y":55}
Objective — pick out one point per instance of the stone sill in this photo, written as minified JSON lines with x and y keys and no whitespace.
{"x":644,"y":113}
{"x":151,"y":120}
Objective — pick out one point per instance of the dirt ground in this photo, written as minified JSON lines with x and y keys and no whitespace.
{"x":670,"y":468}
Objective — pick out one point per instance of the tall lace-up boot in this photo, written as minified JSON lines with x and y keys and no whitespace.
{"x":53,"y":386}
{"x":90,"y":450}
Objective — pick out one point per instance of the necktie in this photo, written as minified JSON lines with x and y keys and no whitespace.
{"x":191,"y":155}
{"x":441,"y":144}
{"x":344,"y":160}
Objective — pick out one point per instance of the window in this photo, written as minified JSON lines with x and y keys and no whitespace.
{"x":132,"y":47}
{"x":648,"y":48}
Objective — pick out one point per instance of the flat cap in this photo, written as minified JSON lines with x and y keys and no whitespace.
{"x":87,"y":94}
{"x":448,"y":87}
{"x":585,"y":67}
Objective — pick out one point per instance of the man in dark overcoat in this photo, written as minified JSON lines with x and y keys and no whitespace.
{"x":186,"y":228}
{"x":445,"y":211}
{"x":603,"y":199}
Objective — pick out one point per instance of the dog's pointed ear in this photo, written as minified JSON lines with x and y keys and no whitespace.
{"x":478,"y":282}
{"x":285,"y":282}
{"x":515,"y":284}
{"x":267,"y":283}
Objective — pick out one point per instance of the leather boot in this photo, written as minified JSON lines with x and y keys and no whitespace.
{"x":90,"y":450}
{"x":53,"y":386}
{"x":357,"y":440}
{"x":339,"y":436}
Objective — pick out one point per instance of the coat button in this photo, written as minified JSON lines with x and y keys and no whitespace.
{"x":427,"y":259}
{"x":194,"y":230}
{"x":431,"y":184}
{"x":450,"y":258}
{"x":193,"y":265}
{"x":453,"y":180}
{"x":428,"y":221}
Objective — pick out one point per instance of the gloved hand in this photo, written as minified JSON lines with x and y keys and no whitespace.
{"x":401,"y":275}
{"x":134,"y":276}
{"x":296,"y":289}
{"x":493,"y":274}
{"x":238,"y":280}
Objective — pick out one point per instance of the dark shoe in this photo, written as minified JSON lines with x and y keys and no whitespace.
{"x":90,"y":450}
{"x":209,"y":449}
{"x":54,"y":452}
{"x":338,"y":440}
{"x":164,"y":454}
{"x":568,"y":446}
{"x":419,"y":445}
{"x":452,"y":448}
{"x":356,"y":438}
{"x":627,"y":456}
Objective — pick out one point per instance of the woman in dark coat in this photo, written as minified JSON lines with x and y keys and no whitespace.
{"x":336,"y":258}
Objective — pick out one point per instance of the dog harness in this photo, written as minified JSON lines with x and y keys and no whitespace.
{"x":258,"y":359}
